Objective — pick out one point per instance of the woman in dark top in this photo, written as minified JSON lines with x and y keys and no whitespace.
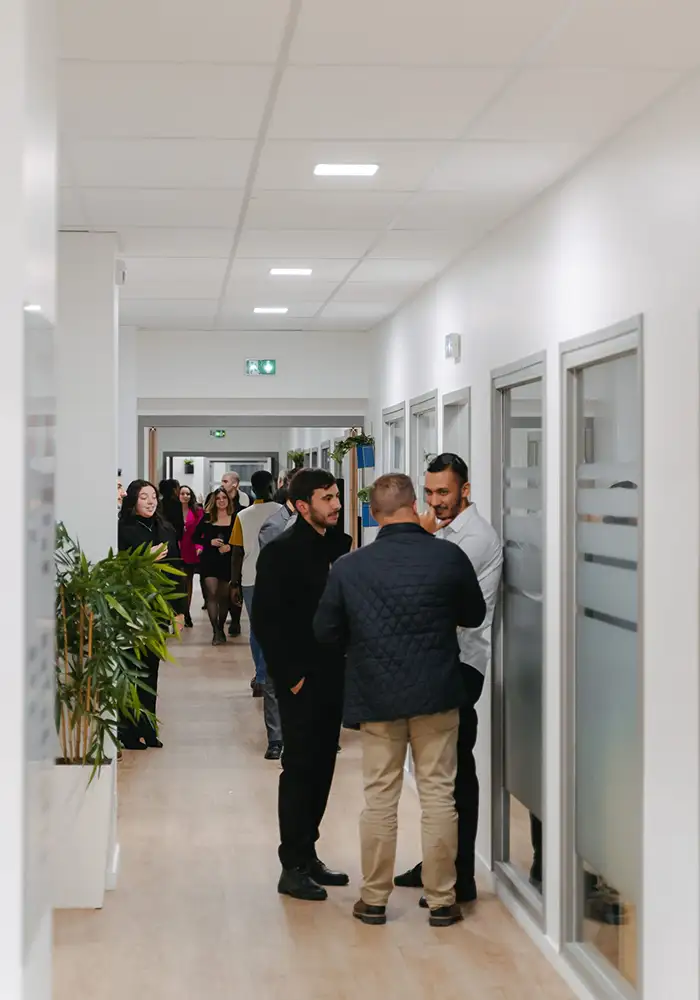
{"x":213,"y":534}
{"x":140,"y":523}
{"x":170,"y":506}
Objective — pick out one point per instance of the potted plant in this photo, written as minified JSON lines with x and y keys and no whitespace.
{"x":368,"y":520}
{"x":296,"y":459}
{"x":364,"y":443}
{"x":108,"y":614}
{"x":189,"y":466}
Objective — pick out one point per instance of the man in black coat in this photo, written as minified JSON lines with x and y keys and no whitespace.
{"x":394,"y":606}
{"x":291,"y":576}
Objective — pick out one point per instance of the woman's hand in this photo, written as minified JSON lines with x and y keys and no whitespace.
{"x":160,"y":551}
{"x":216,"y":542}
{"x":179,"y":624}
{"x":223,"y":549}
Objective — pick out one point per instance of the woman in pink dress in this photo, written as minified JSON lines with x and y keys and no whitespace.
{"x":192,"y":514}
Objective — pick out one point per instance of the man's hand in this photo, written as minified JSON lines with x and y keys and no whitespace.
{"x":297,"y":687}
{"x":429,"y":522}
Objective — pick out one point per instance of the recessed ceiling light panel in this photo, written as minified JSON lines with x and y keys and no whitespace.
{"x":290,"y":272}
{"x":271,"y":310}
{"x":346,"y":169}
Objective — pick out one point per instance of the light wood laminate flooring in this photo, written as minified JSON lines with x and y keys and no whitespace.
{"x":196,"y":915}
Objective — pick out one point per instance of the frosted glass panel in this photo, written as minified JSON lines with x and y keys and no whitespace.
{"x":522,"y":626}
{"x":608,"y":750}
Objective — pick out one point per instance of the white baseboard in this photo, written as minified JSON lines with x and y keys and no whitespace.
{"x":112,"y":876}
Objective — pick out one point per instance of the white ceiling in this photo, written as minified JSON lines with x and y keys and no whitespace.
{"x":193,"y":132}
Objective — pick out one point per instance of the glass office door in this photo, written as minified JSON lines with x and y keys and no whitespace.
{"x":394,"y":439}
{"x":518,"y":644}
{"x":423,"y":439}
{"x":603,"y":670}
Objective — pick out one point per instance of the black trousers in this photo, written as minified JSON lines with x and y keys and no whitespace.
{"x":467,"y":783}
{"x":310,"y":730}
{"x":132,"y":732}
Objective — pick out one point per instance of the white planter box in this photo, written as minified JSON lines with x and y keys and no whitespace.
{"x":82,"y":835}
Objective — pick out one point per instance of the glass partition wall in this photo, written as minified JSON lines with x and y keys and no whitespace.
{"x":518,"y":423}
{"x":602,"y":655}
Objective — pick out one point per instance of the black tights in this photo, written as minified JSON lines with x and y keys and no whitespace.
{"x":217,"y":596}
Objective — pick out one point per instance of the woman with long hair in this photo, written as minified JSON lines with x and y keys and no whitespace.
{"x":170,"y":505}
{"x":140,"y":523}
{"x":192,"y":514}
{"x":213,"y":533}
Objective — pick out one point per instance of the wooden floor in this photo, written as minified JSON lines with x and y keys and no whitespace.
{"x":196,"y":915}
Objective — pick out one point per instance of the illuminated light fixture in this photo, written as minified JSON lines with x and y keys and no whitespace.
{"x":346,"y":169}
{"x":32,"y":308}
{"x":271,"y":310}
{"x":290,"y":272}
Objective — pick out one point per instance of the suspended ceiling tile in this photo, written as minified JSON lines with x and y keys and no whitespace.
{"x":258,"y":269}
{"x":381,"y":102}
{"x":166,"y":100}
{"x":133,"y":207}
{"x":571,"y":105}
{"x":413,"y":32}
{"x":403,"y":166}
{"x":399,"y":270}
{"x":501,"y":169}
{"x":421,"y":244}
{"x":319,"y":210}
{"x":247,"y":31}
{"x":144,"y":163}
{"x":174,"y":277}
{"x":170,"y":242}
{"x":304,"y":243}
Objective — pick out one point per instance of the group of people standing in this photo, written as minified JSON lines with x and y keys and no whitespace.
{"x":391,"y":639}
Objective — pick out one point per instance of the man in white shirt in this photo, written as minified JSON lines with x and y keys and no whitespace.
{"x":231,"y":482}
{"x":452,"y":516}
{"x":245,"y":546}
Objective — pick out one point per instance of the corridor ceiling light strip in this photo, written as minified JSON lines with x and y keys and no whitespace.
{"x":346,"y":169}
{"x":290,"y":272}
{"x":271,"y":310}
{"x":32,"y":308}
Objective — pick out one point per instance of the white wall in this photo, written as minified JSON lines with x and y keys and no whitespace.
{"x":27,"y":275}
{"x":620,"y":237}
{"x":128,"y":405}
{"x":183,"y":364}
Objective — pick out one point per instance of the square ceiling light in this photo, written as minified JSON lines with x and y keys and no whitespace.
{"x":346,"y":169}
{"x":291,"y":272}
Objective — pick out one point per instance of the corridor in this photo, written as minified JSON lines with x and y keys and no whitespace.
{"x":196,"y":915}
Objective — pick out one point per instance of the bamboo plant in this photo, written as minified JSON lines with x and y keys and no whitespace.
{"x":109,"y":614}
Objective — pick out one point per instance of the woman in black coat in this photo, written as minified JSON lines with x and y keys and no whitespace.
{"x":140,"y":523}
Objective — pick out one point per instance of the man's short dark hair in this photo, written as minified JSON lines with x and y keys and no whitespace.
{"x":449,"y":461}
{"x":262,"y":483}
{"x":391,"y":493}
{"x":305,"y":483}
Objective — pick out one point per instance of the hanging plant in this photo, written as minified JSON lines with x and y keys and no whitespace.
{"x":296,"y":459}
{"x":189,"y":466}
{"x":355,"y":439}
{"x":363,"y":494}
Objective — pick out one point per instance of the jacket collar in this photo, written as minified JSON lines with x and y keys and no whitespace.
{"x":401,"y":529}
{"x":304,"y":529}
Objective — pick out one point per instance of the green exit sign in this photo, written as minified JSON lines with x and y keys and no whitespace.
{"x":261,"y":366}
{"x":217,"y":434}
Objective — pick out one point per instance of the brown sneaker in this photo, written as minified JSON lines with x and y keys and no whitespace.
{"x":369,"y":914}
{"x":445,"y":916}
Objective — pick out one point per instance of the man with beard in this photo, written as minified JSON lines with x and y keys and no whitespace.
{"x":454,"y":517}
{"x":308,"y":678}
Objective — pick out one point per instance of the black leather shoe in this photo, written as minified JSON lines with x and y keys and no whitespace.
{"x":234,"y":631}
{"x":298,"y":884}
{"x":464,"y":893}
{"x":274,"y":751}
{"x":445,"y":916}
{"x":412,"y":879}
{"x":375,"y":915}
{"x":324,"y":876}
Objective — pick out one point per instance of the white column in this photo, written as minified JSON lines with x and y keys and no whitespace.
{"x":128,"y":405}
{"x":87,"y":367}
{"x":27,"y":276}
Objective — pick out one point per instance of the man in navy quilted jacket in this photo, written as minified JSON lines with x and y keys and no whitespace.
{"x":394,"y":607}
